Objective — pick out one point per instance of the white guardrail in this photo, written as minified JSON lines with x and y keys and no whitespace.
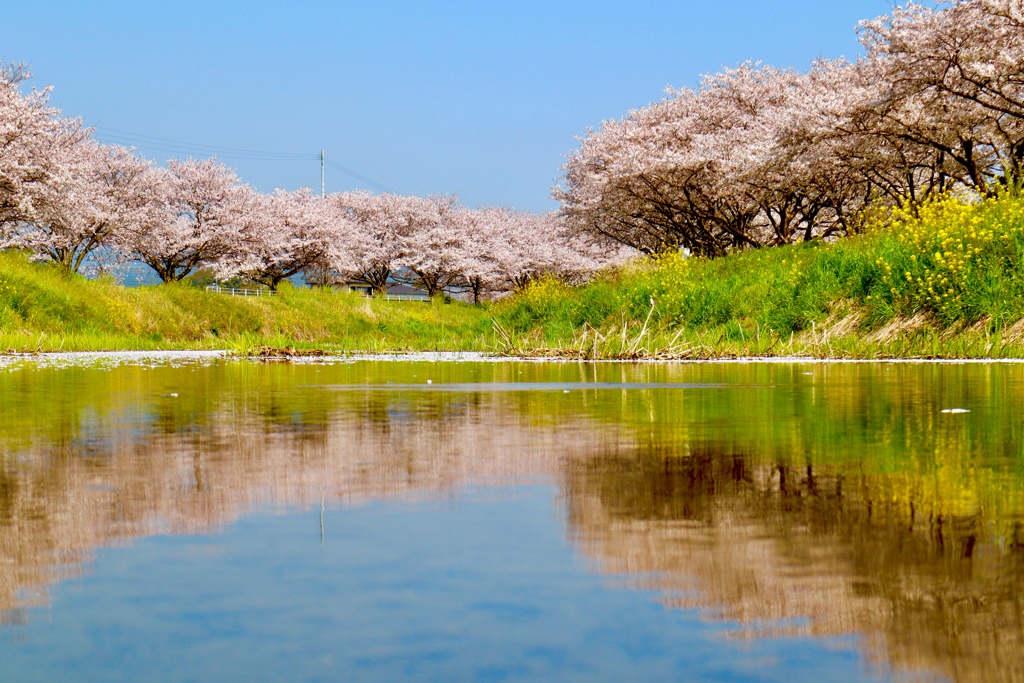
{"x":239,"y":292}
{"x":266,"y":292}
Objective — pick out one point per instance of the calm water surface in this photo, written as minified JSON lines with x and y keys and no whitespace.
{"x":378,"y":520}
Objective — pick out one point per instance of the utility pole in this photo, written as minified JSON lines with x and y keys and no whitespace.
{"x":323,"y":160}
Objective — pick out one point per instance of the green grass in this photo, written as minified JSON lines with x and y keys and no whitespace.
{"x":44,"y":310}
{"x":944,"y":281}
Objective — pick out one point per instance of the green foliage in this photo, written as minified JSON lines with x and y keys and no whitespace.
{"x":929,"y":273}
{"x":940,"y":279}
{"x":958,"y":260}
{"x":42,"y":309}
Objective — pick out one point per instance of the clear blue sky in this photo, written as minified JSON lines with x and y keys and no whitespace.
{"x":479,"y":98}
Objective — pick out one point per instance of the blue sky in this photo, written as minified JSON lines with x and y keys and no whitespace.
{"x":477,"y":98}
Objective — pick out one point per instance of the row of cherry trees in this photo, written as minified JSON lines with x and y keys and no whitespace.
{"x":74,"y":201}
{"x":758,"y":156}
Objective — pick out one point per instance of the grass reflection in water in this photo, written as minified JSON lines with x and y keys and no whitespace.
{"x":843,"y":501}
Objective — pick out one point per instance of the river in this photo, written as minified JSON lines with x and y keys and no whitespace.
{"x":200,"y":518}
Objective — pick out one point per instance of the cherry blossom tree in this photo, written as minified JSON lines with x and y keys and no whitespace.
{"x":433,"y":258}
{"x":194,"y":220}
{"x":753,"y":108}
{"x":34,"y":141}
{"x":523,"y":250}
{"x":671,"y":175}
{"x":758,"y":156}
{"x":282,"y":235}
{"x":375,"y":235}
{"x":954,"y":84}
{"x":339,"y":234}
{"x":524,"y":246}
{"x":26,"y":123}
{"x":484,"y":230}
{"x":90,"y":201}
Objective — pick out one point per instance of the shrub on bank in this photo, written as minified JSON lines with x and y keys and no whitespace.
{"x":958,"y":260}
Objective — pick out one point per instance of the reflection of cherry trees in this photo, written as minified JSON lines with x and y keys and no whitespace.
{"x":758,"y":156}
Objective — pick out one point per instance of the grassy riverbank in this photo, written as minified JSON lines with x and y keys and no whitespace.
{"x":946,"y":281}
{"x":43,"y":310}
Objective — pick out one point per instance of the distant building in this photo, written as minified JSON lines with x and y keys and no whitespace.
{"x":395,"y":292}
{"x":363,"y":289}
{"x":406,"y":293}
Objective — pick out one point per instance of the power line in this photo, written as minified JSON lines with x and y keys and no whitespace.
{"x":191,"y":151}
{"x":152,"y":141}
{"x":360,"y":177}
{"x":181,"y":147}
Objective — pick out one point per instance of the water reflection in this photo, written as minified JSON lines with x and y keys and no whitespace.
{"x":820,"y":550}
{"x":842,"y":501}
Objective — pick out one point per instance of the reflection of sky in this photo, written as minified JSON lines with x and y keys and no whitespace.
{"x":482,"y":587}
{"x":95,"y":437}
